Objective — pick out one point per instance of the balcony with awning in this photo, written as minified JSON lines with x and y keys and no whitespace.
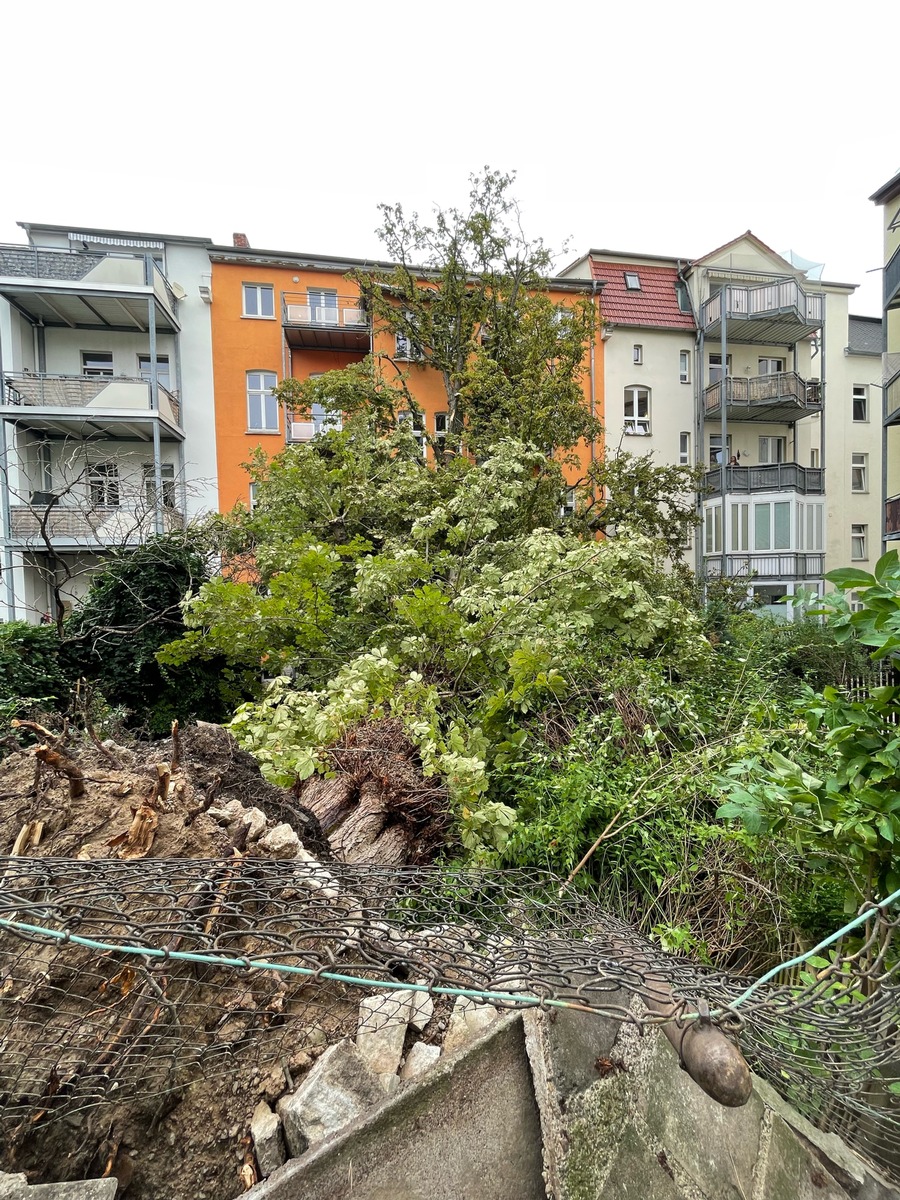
{"x":87,"y":289}
{"x":325,"y":321}
{"x":777,"y":313}
{"x":118,"y":407}
{"x":778,"y":397}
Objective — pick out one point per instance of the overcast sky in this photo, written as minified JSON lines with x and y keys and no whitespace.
{"x":657,"y":127}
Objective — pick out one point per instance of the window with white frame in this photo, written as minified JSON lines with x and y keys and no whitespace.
{"x":167,"y":482}
{"x":814,"y":456}
{"x":323,"y":306}
{"x":440,"y":430}
{"x":405,"y":347}
{"x":417,"y":424}
{"x":259,"y":300}
{"x":254,"y":491}
{"x":740,"y":528}
{"x":637,"y":410}
{"x":103,"y":484}
{"x":262,"y":406}
{"x":715,"y":367}
{"x":715,"y":449}
{"x":325,"y":418}
{"x":810,"y":526}
{"x":162,"y":369}
{"x":712,"y":529}
{"x":98,"y":364}
{"x":684,"y":366}
{"x":772,"y":525}
{"x":859,"y":536}
{"x":684,"y":449}
{"x":567,"y":508}
{"x":860,"y":402}
{"x":859,"y":472}
{"x":632,"y":281}
{"x":772,"y":449}
{"x":770,"y":366}
{"x":684,"y":300}
{"x":637,"y":355}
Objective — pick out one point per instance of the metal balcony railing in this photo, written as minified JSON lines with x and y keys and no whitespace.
{"x":31,"y":389}
{"x":785,"y":564}
{"x":765,"y":391}
{"x":892,"y":280}
{"x":763,"y":300}
{"x":59,"y":265}
{"x":324,"y":311}
{"x":773,"y":477}
{"x":102,"y":524}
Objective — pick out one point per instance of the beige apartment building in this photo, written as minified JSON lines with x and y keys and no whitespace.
{"x":753,"y":367}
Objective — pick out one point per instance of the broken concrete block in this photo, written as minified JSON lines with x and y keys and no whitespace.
{"x":466,"y":1021}
{"x":226,"y":814}
{"x":339,"y":1088}
{"x":280,"y":841}
{"x":268,"y":1142}
{"x":382,"y":1030}
{"x":421,"y":1010}
{"x":421,"y":1056}
{"x":389,"y":1083}
{"x":257,"y":820}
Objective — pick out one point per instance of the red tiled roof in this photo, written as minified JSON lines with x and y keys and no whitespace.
{"x":655,"y":304}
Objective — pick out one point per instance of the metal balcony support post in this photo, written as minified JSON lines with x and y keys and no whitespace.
{"x":40,"y":333}
{"x":5,"y":522}
{"x":157,"y":480}
{"x":700,"y":447}
{"x":154,"y":374}
{"x":723,"y":466}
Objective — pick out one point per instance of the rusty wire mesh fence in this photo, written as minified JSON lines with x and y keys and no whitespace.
{"x":119,"y":978}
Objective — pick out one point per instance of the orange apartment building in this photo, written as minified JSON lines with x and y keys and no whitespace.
{"x":277,"y":315}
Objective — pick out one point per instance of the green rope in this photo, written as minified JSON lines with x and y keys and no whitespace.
{"x":823,"y":945}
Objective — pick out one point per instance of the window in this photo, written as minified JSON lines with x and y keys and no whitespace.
{"x":814,"y":456}
{"x":772,"y":526}
{"x":637,"y":355}
{"x":712,"y":530}
{"x":323,"y":306}
{"x":103,"y":484}
{"x":567,"y":508}
{"x":440,"y":431}
{"x":859,"y":472}
{"x":684,"y":449}
{"x":259,"y":300}
{"x":97,"y":363}
{"x":715,"y":367}
{"x":770,"y":366}
{"x":254,"y":489}
{"x":637,"y":411}
{"x":810,"y":527}
{"x":324,"y":418}
{"x":858,"y":539}
{"x":684,"y":301}
{"x":860,"y":403}
{"x":715,"y":449}
{"x":407,"y":349}
{"x":632,"y":281}
{"x":417,"y":424}
{"x":740,"y":528}
{"x":772,"y":449}
{"x":684,"y":366}
{"x":262,"y":407}
{"x":167,"y":478}
{"x":162,"y":369}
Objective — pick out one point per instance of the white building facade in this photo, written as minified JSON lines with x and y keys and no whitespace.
{"x":106,"y":413}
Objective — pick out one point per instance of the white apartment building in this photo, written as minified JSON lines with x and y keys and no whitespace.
{"x":106,"y":372}
{"x":726,"y":361}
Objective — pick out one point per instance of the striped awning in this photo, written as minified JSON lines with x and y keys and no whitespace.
{"x":135,"y":243}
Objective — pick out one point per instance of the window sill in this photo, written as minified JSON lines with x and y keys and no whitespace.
{"x":263,"y":432}
{"x":256,"y":317}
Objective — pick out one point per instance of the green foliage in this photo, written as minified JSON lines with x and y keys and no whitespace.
{"x":30,"y":669}
{"x":829,"y":782}
{"x":133,"y":607}
{"x":632,"y":494}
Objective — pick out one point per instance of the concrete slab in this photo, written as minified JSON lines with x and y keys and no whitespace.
{"x":468,"y":1130}
{"x":792,"y":1172}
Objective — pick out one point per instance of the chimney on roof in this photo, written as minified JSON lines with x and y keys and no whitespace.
{"x":241,"y":239}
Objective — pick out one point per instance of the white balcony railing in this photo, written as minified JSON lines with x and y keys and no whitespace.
{"x":32,"y":390}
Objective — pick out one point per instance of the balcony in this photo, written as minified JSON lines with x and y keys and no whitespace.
{"x":890,"y":367}
{"x":779,"y":313}
{"x":892,"y":517}
{"x":892,"y":281}
{"x":74,"y":289}
{"x":780,"y":397}
{"x":777,"y":565}
{"x":115,"y":525}
{"x":110,"y":406}
{"x":324,"y":321}
{"x":772,"y":477}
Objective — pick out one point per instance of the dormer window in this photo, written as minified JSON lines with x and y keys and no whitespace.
{"x":632,"y":281}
